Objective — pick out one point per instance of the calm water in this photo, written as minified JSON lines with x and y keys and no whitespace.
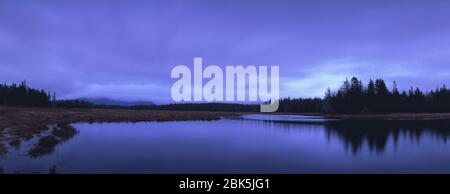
{"x":250,"y":144}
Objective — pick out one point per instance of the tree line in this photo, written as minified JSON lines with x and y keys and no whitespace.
{"x":22,"y":95}
{"x":302,"y":105}
{"x":353,"y":97}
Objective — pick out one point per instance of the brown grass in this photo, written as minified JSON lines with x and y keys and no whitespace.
{"x":17,"y":123}
{"x":45,"y":145}
{"x":26,"y":122}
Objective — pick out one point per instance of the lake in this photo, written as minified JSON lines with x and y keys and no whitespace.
{"x":246,"y":144}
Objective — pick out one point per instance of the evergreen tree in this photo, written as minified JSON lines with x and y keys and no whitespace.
{"x":352,"y":98}
{"x":22,"y":95}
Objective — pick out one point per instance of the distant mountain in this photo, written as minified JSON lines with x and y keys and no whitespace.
{"x":111,"y":102}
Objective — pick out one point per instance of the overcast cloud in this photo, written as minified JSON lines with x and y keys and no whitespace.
{"x":126,"y":49}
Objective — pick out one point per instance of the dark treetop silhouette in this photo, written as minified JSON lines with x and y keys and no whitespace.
{"x":21,"y":95}
{"x":352,"y":98}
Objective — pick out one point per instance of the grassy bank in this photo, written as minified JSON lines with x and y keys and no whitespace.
{"x":16,"y":123}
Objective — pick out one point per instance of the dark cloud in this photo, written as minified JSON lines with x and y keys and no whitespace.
{"x":126,"y":49}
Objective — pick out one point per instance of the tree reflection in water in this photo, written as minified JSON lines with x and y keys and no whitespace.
{"x":374,"y":134}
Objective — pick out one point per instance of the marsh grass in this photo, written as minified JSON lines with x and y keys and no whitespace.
{"x":64,"y":131}
{"x":3,"y":149}
{"x":46,"y":144}
{"x":15,"y":142}
{"x":26,"y":123}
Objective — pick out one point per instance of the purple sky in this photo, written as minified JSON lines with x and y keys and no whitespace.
{"x":126,"y":49}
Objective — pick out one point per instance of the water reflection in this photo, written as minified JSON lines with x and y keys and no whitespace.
{"x":47,"y":143}
{"x":40,"y":144}
{"x":287,"y":118}
{"x":356,"y":134}
{"x":262,"y":144}
{"x":353,"y":134}
{"x":375,"y":135}
{"x":3,"y":149}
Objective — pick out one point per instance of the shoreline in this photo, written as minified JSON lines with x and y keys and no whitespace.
{"x":391,"y":117}
{"x":375,"y":117}
{"x":24,"y":122}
